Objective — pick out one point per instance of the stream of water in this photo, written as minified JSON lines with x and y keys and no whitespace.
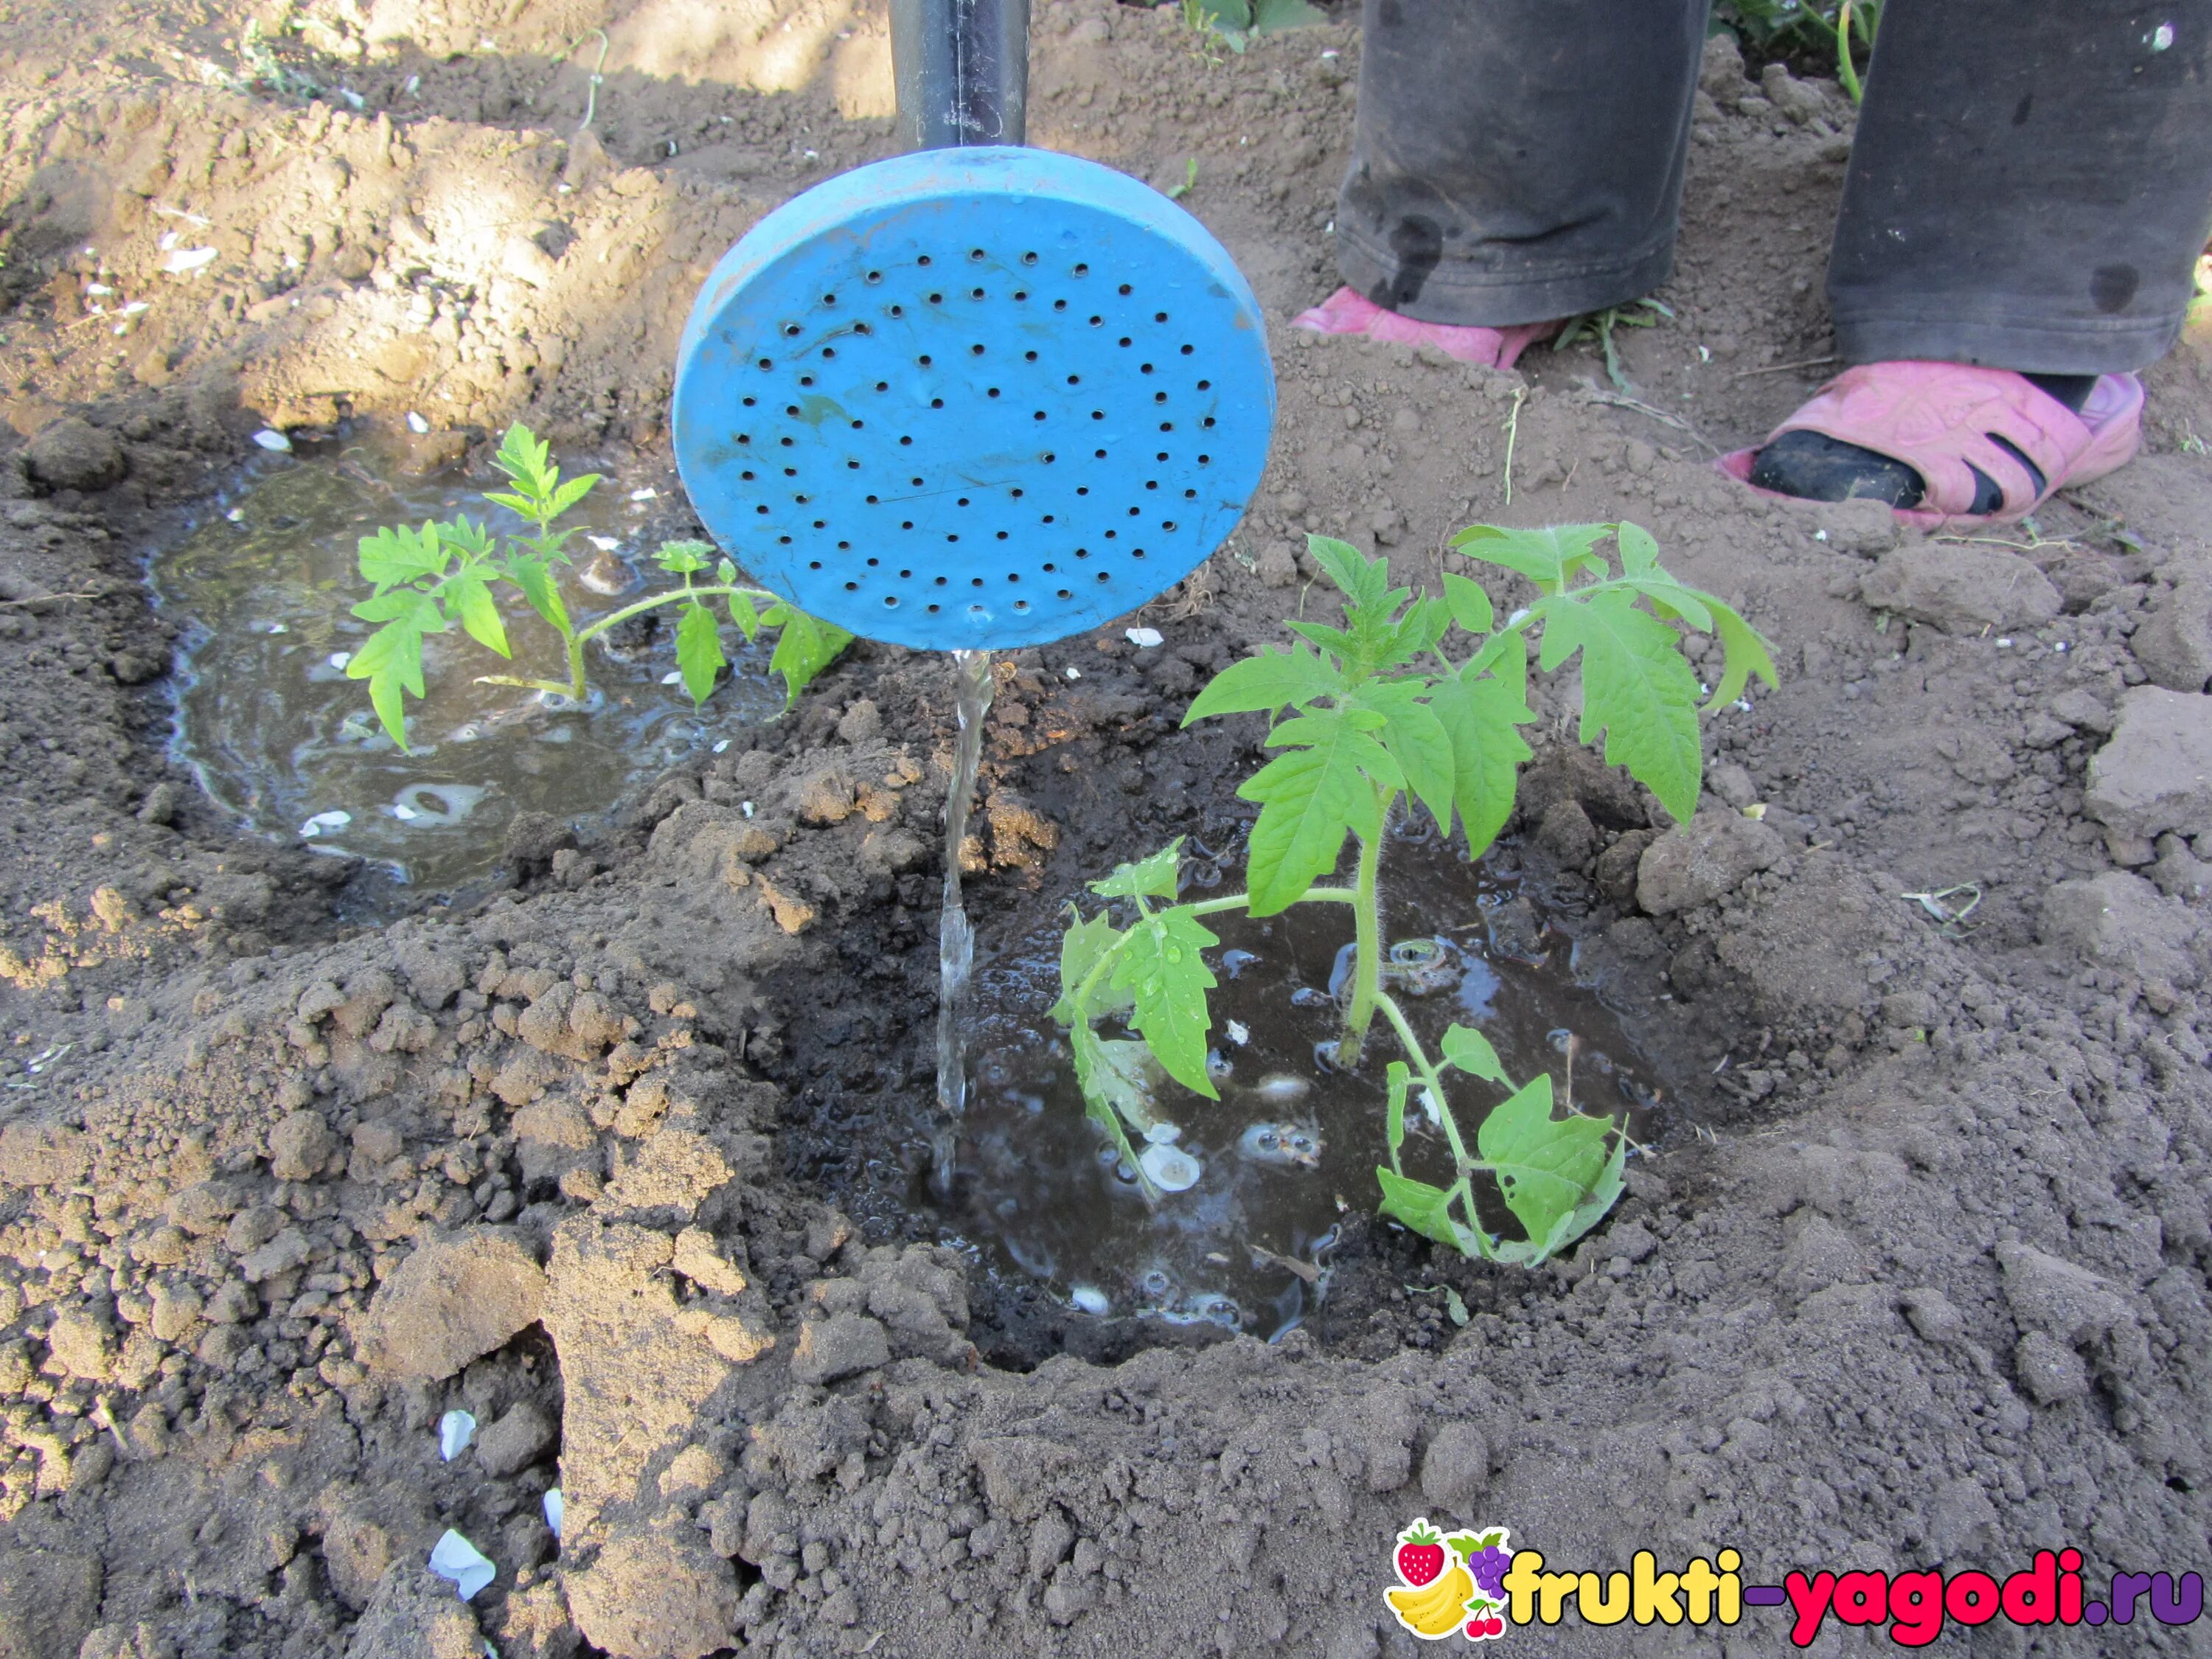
{"x":956,"y":938}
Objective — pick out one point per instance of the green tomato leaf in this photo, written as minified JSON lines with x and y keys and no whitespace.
{"x":1427,"y":1211}
{"x":1672,"y":600}
{"x":390,"y":660}
{"x":1103,"y":1074}
{"x":535,"y":578}
{"x":569,"y":493}
{"x":398,"y":553}
{"x":807,"y":646}
{"x":1082,"y":947}
{"x":1746,"y":655}
{"x":1363,"y":580}
{"x":1311,"y":798}
{"x":526,"y":458}
{"x":1636,"y":689}
{"x":1154,"y":878}
{"x":1577,"y":1221}
{"x":1549,"y":556}
{"x":1420,"y":629}
{"x":1639,"y":552}
{"x":1479,"y":716}
{"x":1470,"y":604}
{"x":681,"y":558}
{"x":523,"y":506}
{"x":1469,"y":1049}
{"x":1417,"y":740}
{"x":698,"y":656}
{"x":1162,"y":969}
{"x":1266,"y":683}
{"x":725,"y":572}
{"x":742,"y":613}
{"x":472,"y":602}
{"x":1546,"y":1167}
{"x":1399,"y":1077}
{"x":1272,"y":17}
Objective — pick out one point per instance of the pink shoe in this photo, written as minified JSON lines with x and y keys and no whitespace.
{"x":1346,"y":312}
{"x":1938,"y":417}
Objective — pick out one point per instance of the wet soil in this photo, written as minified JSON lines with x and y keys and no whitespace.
{"x":615,"y":1155}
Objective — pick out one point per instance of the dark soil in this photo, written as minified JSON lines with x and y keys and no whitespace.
{"x":623,"y":1161}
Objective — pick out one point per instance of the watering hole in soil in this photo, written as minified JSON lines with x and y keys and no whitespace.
{"x":1291,"y":1147}
{"x":279,"y":736}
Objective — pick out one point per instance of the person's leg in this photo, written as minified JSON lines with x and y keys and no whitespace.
{"x":2029,"y":190}
{"x":1516,"y":161}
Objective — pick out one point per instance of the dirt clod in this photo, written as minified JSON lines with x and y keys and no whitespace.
{"x":452,"y":1300}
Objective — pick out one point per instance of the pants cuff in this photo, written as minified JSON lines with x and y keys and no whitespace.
{"x":1459,"y":296}
{"x":2026,"y":347}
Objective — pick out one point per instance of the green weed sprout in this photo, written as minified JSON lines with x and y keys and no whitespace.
{"x":428,"y":579}
{"x":1364,"y":715}
{"x":1235,"y":23}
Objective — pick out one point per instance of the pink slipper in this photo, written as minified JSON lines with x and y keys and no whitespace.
{"x":1347,"y":312}
{"x":1938,"y":417}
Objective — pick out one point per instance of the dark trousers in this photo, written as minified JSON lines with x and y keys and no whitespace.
{"x":2029,"y":185}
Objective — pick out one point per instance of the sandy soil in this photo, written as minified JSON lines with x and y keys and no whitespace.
{"x":615,"y":1160}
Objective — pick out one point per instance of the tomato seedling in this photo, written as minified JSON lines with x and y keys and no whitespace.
{"x":1365,"y":715}
{"x":446,"y":572}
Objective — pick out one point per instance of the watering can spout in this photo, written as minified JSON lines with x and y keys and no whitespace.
{"x":962,"y":68}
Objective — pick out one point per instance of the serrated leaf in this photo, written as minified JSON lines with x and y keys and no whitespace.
{"x":1469,"y":1049}
{"x":390,"y":606}
{"x":1670,"y":599}
{"x":525,"y":457}
{"x":466,"y":537}
{"x":1578,"y":1220}
{"x":1549,"y":555}
{"x":479,"y":612}
{"x":1265,"y":682}
{"x":698,"y":656}
{"x":569,"y":493}
{"x":681,"y":558}
{"x":1154,"y":876}
{"x":1639,"y":552}
{"x":1426,"y":1210}
{"x":1363,"y":580}
{"x":725,"y":572}
{"x":538,"y":589}
{"x":523,"y":506}
{"x":399,"y":553}
{"x":1418,"y":630}
{"x":1746,"y":655}
{"x":1123,"y":1075}
{"x":1310,"y":798}
{"x":1546,"y":1167}
{"x":807,"y":646}
{"x":1417,"y":740}
{"x":1636,"y":689}
{"x":1479,"y":717}
{"x":1099,"y":1080}
{"x":744,"y":615}
{"x":1398,"y":1078}
{"x":1082,"y":947}
{"x":1162,"y":969}
{"x":390,"y":660}
{"x":1470,"y":604}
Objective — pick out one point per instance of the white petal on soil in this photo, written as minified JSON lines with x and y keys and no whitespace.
{"x":645,"y":495}
{"x":554,"y":1510}
{"x":1237,"y":1032}
{"x":185,"y":260}
{"x":673,"y":677}
{"x":1171,"y":1171}
{"x":322,"y":821}
{"x":416,"y":424}
{"x":1163,"y":1135}
{"x":455,"y":1430}
{"x":405,"y":813}
{"x":1144,"y":638}
{"x":1090,"y":1298}
{"x":1280,"y":1087}
{"x":340,"y":658}
{"x":1074,"y":673}
{"x":453,"y":1557}
{"x":270,"y":438}
{"x":605,"y":543}
{"x":720,"y":744}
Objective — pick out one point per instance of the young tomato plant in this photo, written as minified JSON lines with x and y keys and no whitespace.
{"x":1366,"y":714}
{"x":429,"y":579}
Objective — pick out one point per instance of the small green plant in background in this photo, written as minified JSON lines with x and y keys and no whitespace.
{"x":1365,"y":715}
{"x":1599,"y":325}
{"x":1235,"y":23}
{"x":428,"y":580}
{"x":1841,"y":31}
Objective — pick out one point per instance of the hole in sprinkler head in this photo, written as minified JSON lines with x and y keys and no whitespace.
{"x":1152,"y":484}
{"x":882,"y":386}
{"x":765,"y":363}
{"x":1029,"y":259}
{"x":1125,"y":339}
{"x":975,"y":351}
{"x":1144,"y":369}
{"x":891,"y":601}
{"x":750,"y":401}
{"x":1083,"y":489}
{"x":1066,"y":593}
{"x":1029,"y":356}
{"x":1105,"y":575}
{"x":906,"y":441}
{"x":975,"y":293}
{"x":1023,"y":606}
{"x":990,"y":392}
{"x":1187,"y":350}
{"x":1083,"y":270}
{"x":1059,"y":305}
{"x":1021,"y":294}
{"x":897,"y":310}
{"x":1002,"y":535}
{"x":875,"y":277}
{"x":923,"y":261}
{"x":1205,"y":385}
{"x":1159,"y":316}
{"x":937,"y":298}
{"x":816,"y":565}
{"x":1095,"y":321}
{"x":933,"y":610}
{"x":923,"y":359}
{"x":977,"y":254}
{"x":790,"y":329}
{"x":829,"y":299}
{"x":936,"y":402}
{"x":1124,"y":288}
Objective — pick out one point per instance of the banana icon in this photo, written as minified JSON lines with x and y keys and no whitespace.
{"x":1436,"y":1610}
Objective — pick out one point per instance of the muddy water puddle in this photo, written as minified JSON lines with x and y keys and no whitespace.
{"x":279,"y":736}
{"x":1291,"y":1145}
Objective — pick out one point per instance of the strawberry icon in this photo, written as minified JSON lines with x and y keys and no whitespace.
{"x":1420,"y":1554}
